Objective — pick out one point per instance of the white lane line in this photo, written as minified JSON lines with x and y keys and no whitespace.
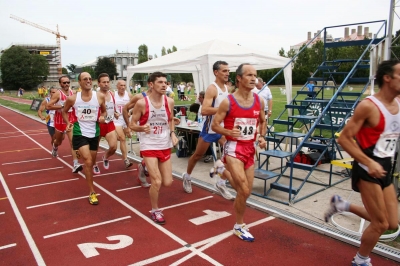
{"x":212,"y":242}
{"x":45,"y":184}
{"x":8,"y":246}
{"x":88,"y":226}
{"x":129,"y":188}
{"x":13,"y":132}
{"x":110,"y":160}
{"x":114,"y":173}
{"x":71,"y":155}
{"x":40,"y":170}
{"x":2,"y":213}
{"x":22,"y":224}
{"x":28,"y":161}
{"x":185,"y":203}
{"x":22,"y":136}
{"x":56,"y":202}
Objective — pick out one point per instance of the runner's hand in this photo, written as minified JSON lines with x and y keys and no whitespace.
{"x":376,"y":170}
{"x":116,"y":115}
{"x":262,"y":143}
{"x":146,"y":129}
{"x":235,"y":133}
{"x":127,"y":132}
{"x":174,"y":140}
{"x":102,"y":119}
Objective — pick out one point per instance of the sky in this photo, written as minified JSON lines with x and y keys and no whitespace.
{"x":98,"y":28}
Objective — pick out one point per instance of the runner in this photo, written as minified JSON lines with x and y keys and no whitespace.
{"x":107,"y":130}
{"x":376,"y":128}
{"x":142,"y":170}
{"x":154,"y":114}
{"x":213,"y":97}
{"x":86,"y":105}
{"x":56,"y":103}
{"x":122,"y":97}
{"x":241,"y":113}
{"x":50,"y":115}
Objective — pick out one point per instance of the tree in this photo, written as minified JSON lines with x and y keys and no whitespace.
{"x":21,"y":69}
{"x":106,"y":65}
{"x":64,"y":71}
{"x":163,"y":51}
{"x":143,"y":54}
{"x":71,"y":67}
{"x":174,"y":49}
{"x":282,"y":52}
{"x":155,"y":56}
{"x":169,"y":51}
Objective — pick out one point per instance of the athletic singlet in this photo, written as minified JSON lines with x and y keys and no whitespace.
{"x":120,"y":102}
{"x":159,"y":137}
{"x":50,"y":115}
{"x":246,"y":119}
{"x":221,"y":95}
{"x":110,"y":107}
{"x":380,"y":141}
{"x":87,"y":115}
{"x":58,"y":114}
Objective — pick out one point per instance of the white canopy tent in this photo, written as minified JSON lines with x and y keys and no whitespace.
{"x":198,"y":60}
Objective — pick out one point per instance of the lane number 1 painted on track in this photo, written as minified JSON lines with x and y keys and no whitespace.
{"x":89,"y":249}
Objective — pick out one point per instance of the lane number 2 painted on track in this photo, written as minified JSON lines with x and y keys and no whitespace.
{"x":89,"y":249}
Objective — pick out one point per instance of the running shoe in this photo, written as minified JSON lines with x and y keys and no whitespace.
{"x":217,"y":169}
{"x":93,"y":199}
{"x":77,"y":167}
{"x":96,"y":169}
{"x":106,"y":163}
{"x":187,"y":183}
{"x":142,"y":177}
{"x":365,"y":263}
{"x":208,"y":159}
{"x":223,"y":190}
{"x":243,"y":233}
{"x":127,"y":163}
{"x":54,"y":152}
{"x":158,"y":217}
{"x":333,"y":207}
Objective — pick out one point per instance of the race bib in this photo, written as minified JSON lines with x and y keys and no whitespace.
{"x":159,"y":129}
{"x":119,"y":108}
{"x":386,"y":145}
{"x":247,"y":127}
{"x":87,"y":113}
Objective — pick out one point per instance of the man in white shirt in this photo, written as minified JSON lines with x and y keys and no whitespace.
{"x":265,"y":93}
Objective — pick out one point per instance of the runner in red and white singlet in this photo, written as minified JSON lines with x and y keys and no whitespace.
{"x":56,"y":103}
{"x":242,"y":112}
{"x":151,"y":117}
{"x":376,"y":127}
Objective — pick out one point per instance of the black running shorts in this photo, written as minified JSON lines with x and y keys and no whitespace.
{"x":80,"y":141}
{"x":359,"y":173}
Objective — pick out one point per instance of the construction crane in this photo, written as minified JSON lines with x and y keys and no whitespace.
{"x":58,"y":37}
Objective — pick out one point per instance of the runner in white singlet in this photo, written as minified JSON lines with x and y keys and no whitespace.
{"x":154,"y":114}
{"x":49,"y":118}
{"x":87,"y":106}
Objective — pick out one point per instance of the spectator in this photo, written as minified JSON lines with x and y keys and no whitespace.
{"x":310,"y":87}
{"x":20,"y":92}
{"x":1,"y":90}
{"x":265,"y":93}
{"x":182,"y":89}
{"x":189,"y":88}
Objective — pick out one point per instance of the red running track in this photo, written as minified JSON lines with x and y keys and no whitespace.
{"x":46,"y":218}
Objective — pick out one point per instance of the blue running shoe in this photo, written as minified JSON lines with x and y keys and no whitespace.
{"x":365,"y":263}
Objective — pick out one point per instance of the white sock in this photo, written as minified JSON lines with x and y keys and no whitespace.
{"x":220,"y":170}
{"x":237,"y":226}
{"x":361,"y":259}
{"x":187,"y":176}
{"x":221,"y":181}
{"x":154,"y":210}
{"x":343,"y":205}
{"x":75,"y":162}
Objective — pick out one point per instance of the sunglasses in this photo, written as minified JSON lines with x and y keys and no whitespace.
{"x":66,"y":82}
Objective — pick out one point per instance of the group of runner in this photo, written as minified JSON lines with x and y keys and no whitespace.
{"x":237,"y":121}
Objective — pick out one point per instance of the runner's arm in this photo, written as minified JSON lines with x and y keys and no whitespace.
{"x":174,"y":139}
{"x":68,"y":104}
{"x":129,"y":106}
{"x":103,"y":110}
{"x":209,"y":96}
{"x":219,"y":117}
{"x":42,"y":107}
{"x":51,"y":105}
{"x":262,"y":126}
{"x":137,"y":112}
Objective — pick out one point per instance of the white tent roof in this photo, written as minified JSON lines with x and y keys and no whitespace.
{"x":198,"y":60}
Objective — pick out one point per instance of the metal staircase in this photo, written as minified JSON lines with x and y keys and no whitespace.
{"x":318,"y":115}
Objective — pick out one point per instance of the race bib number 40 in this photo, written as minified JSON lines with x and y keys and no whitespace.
{"x":247,"y":127}
{"x":87,"y":113}
{"x":386,"y":145}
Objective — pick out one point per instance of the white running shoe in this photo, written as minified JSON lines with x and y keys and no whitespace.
{"x":96,"y":169}
{"x":54,"y":152}
{"x":77,"y":167}
{"x":223,"y":190}
{"x":187,"y":183}
{"x":243,"y":233}
{"x":142,"y":177}
{"x":334,"y":207}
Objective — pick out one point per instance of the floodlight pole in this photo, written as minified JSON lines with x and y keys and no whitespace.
{"x":388,"y":54}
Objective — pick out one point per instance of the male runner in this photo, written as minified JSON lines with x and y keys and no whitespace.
{"x":142,"y":169}
{"x":50,"y":115}
{"x":57,"y":102}
{"x":107,"y":130}
{"x":87,"y":106}
{"x":215,"y":94}
{"x":376,"y":127}
{"x":122,"y":97}
{"x":154,"y":114}
{"x":241,"y":113}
